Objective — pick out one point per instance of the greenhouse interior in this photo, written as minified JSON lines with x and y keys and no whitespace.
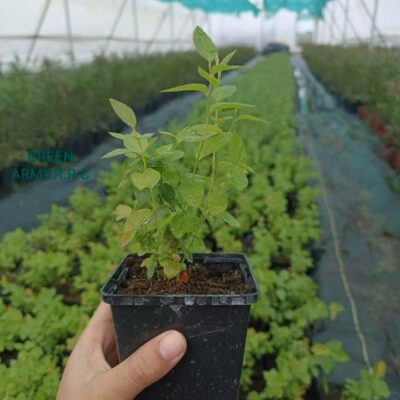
{"x":199,"y":199}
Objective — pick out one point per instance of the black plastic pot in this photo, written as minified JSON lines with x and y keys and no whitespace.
{"x":215,"y":327}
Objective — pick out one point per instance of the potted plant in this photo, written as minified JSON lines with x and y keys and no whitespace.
{"x":168,"y":281}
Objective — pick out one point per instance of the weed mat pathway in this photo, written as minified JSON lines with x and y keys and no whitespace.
{"x":361,"y":231}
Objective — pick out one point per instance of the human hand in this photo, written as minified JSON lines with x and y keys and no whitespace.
{"x":92,"y":371}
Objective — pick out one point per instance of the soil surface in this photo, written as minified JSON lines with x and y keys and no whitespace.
{"x":202,"y":280}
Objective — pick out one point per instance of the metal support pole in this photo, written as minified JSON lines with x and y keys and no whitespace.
{"x":316,"y":31}
{"x":333,"y":21}
{"x":136,"y":25}
{"x":372,"y":17}
{"x":172,"y":26}
{"x":209,"y":25}
{"x":373,"y":24}
{"x":37,"y":31}
{"x":115,"y":24}
{"x":261,"y":28}
{"x":350,"y":23}
{"x":345,"y":22}
{"x":158,"y":28}
{"x":181,"y":32}
{"x":69,"y":31}
{"x":193,"y":12}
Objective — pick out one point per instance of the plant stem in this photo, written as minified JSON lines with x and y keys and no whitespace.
{"x":213,"y":165}
{"x":207,"y":123}
{"x":153,"y":201}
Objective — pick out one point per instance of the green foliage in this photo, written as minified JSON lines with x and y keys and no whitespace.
{"x":360,"y":74}
{"x":278,"y":223}
{"x":171,"y":204}
{"x":370,"y":386}
{"x":295,"y":368}
{"x":204,"y":45}
{"x":54,"y":103}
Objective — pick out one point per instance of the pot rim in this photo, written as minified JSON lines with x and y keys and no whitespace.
{"x":111,"y":285}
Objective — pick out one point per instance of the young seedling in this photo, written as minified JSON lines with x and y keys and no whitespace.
{"x":173,"y":201}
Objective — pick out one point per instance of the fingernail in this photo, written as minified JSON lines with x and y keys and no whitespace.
{"x":172,"y":345}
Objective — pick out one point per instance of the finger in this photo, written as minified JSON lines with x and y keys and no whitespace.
{"x":97,"y":345}
{"x":102,"y":315}
{"x":146,"y":366}
{"x":100,"y":329}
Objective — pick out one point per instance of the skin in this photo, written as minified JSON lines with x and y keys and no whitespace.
{"x":92,"y":371}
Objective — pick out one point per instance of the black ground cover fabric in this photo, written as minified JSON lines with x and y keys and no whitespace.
{"x":360,"y":214}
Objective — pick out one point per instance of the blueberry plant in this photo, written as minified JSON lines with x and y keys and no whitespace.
{"x":172,"y":205}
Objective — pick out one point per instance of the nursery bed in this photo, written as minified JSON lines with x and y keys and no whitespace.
{"x":62,"y":262}
{"x":36,"y":198}
{"x":361,"y":231}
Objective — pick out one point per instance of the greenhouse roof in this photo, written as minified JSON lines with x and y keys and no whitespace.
{"x":312,"y":7}
{"x":223,"y":6}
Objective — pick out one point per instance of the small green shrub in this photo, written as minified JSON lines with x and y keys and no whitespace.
{"x":171,"y":205}
{"x":370,"y":386}
{"x":360,"y":74}
{"x":48,"y":106}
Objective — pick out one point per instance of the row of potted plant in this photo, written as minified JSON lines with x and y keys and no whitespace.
{"x":54,"y":104}
{"x":368,"y":80}
{"x":52,"y":274}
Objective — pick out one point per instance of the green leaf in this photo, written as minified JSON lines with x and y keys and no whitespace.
{"x":229,"y":106}
{"x":171,"y":268}
{"x":150,"y":263}
{"x":379,"y":369}
{"x":223,"y":92}
{"x":124,"y":112}
{"x":249,"y":117}
{"x":137,"y":144}
{"x":209,"y":78}
{"x":177,"y":155}
{"x":122,"y":211}
{"x":234,"y":175}
{"x":192,"y":189}
{"x":189,"y":87}
{"x":213,"y":144}
{"x":230,"y":219}
{"x":167,"y":192}
{"x":121,"y":136}
{"x":137,"y":219}
{"x":216,"y":202}
{"x":197,"y":133}
{"x":126,"y":237}
{"x":166,"y":133}
{"x":334,"y":310}
{"x":114,"y":153}
{"x":184,"y":222}
{"x":163,"y":150}
{"x":145,"y":180}
{"x":228,"y":57}
{"x":276,"y":384}
{"x":332,"y":349}
{"x":237,"y":149}
{"x":223,"y":67}
{"x":204,"y":45}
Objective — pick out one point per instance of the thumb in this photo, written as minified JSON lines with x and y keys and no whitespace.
{"x":147,"y":365}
